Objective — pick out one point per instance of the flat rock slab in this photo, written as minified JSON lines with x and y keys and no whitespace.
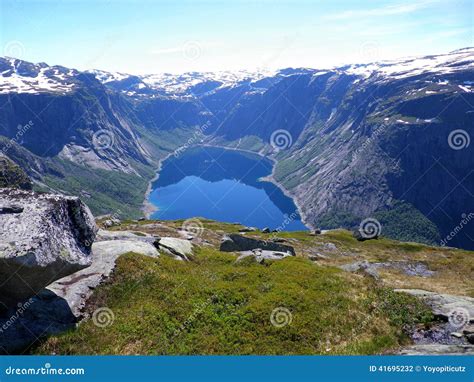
{"x":438,"y":350}
{"x":443,"y":304}
{"x":262,"y":255}
{"x":78,"y":287}
{"x":180,"y":249}
{"x":239,"y":243}
{"x":104,"y":235}
{"x":363,"y":266}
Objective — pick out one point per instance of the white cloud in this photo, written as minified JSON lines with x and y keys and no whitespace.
{"x":389,"y":10}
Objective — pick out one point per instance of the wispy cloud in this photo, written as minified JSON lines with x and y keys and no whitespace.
{"x":186,"y":45}
{"x":389,"y":10}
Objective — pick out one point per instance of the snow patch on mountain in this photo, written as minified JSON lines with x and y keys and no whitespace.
{"x":452,"y":62}
{"x":18,"y":76}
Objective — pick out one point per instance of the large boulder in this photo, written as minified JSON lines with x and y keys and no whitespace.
{"x":178,"y":248}
{"x":43,"y":237}
{"x":239,"y":243}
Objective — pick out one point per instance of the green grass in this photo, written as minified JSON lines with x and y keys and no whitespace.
{"x":110,"y":192}
{"x":213,"y":306}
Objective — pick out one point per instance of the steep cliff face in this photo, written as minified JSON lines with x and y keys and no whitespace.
{"x":388,"y":140}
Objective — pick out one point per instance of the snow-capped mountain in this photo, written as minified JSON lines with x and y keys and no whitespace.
{"x":448,"y":63}
{"x":19,"y":76}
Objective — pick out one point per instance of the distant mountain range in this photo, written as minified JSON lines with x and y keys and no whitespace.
{"x":387,"y":140}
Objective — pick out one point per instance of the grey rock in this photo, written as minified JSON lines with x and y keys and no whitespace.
{"x":261,"y":256}
{"x":75,"y":289}
{"x":443,"y":304}
{"x":51,"y":238}
{"x":104,"y":235}
{"x":436,"y":349}
{"x":186,"y":235}
{"x":439,"y":332}
{"x":248,"y":229}
{"x":266,"y":230}
{"x":468,"y":329}
{"x":470,"y":338}
{"x":410,"y":269}
{"x":238,"y":243}
{"x":112,"y":222}
{"x":361,"y":237}
{"x":330,"y":247}
{"x":178,"y":248}
{"x":363,"y":266}
{"x":115,"y":248}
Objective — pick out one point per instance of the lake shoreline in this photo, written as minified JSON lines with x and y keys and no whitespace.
{"x":149,"y":208}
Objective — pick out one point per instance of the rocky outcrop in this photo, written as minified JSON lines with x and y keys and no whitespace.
{"x":239,"y":243}
{"x":362,"y":266}
{"x":115,"y":248}
{"x":262,"y":256}
{"x":178,"y":248}
{"x":43,"y":237}
{"x":452,"y":334}
{"x":443,"y":305}
{"x":103,"y":235}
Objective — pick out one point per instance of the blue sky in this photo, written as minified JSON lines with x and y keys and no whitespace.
{"x":177,"y":36}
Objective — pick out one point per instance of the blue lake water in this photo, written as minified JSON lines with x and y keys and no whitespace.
{"x":223,"y":185}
